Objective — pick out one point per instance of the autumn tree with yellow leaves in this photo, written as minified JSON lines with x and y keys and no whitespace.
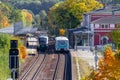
{"x":4,"y":11}
{"x":23,"y":53}
{"x":108,"y":66}
{"x":26,"y":17}
{"x":68,"y":14}
{"x":62,"y":32}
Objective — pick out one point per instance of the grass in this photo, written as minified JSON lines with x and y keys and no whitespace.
{"x":83,"y":66}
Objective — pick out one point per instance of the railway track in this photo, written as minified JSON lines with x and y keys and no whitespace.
{"x":47,"y":66}
{"x":47,"y":69}
{"x":59,"y":73}
{"x":31,"y":69}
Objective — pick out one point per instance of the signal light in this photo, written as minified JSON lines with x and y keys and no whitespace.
{"x":13,"y":44}
{"x":13,"y":58}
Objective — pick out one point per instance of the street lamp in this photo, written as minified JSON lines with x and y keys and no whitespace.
{"x":95,"y":57}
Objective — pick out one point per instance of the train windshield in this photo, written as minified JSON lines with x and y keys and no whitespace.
{"x":62,"y":42}
{"x":42,"y":40}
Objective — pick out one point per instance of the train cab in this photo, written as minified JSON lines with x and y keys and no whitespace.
{"x":43,"y":42}
{"x":61,"y":43}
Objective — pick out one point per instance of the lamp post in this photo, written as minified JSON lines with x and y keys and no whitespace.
{"x":95,"y":57}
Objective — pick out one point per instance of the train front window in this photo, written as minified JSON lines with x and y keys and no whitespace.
{"x":61,"y":42}
{"x":43,"y":40}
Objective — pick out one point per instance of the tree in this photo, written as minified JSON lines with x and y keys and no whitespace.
{"x":114,"y":35}
{"x":4,"y":12}
{"x":108,"y":66}
{"x":43,"y":16}
{"x":27,"y":17}
{"x":8,"y":15}
{"x":4,"y":22}
{"x":15,"y":15}
{"x":37,"y":20}
{"x":62,"y":32}
{"x":68,"y":14}
{"x":23,"y":53}
{"x":4,"y":56}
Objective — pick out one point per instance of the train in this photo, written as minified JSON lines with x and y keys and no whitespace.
{"x":43,"y":43}
{"x":31,"y":44}
{"x":61,"y":44}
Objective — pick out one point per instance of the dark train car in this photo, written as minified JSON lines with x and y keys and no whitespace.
{"x":43,"y":43}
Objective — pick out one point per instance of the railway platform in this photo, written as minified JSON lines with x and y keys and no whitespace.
{"x":85,"y":55}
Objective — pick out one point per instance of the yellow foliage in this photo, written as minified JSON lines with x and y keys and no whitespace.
{"x":15,"y":38}
{"x":79,"y":7}
{"x":5,"y":22}
{"x":108,"y":66}
{"x":23,"y":53}
{"x":62,"y":32}
{"x":27,"y":17}
{"x":70,"y":9}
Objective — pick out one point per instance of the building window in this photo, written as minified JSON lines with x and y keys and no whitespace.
{"x":104,"y":26}
{"x":96,"y":25}
{"x":104,"y":40}
{"x":112,"y":26}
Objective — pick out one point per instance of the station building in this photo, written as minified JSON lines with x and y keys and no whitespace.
{"x":95,"y":27}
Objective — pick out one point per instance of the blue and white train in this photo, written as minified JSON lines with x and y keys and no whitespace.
{"x":61,"y":43}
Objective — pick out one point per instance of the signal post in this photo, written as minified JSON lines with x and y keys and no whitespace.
{"x":14,"y":59}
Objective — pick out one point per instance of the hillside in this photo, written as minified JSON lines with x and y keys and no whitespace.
{"x":35,"y":6}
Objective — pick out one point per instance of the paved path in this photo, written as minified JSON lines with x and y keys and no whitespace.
{"x":85,"y":55}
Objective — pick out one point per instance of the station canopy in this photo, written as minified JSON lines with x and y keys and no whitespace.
{"x":18,"y":29}
{"x":8,"y":30}
{"x":81,"y":30}
{"x":23,"y":31}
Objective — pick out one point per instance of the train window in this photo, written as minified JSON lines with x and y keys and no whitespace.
{"x":42,"y":40}
{"x":61,"y":42}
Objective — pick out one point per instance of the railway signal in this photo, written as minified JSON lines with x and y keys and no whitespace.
{"x":13,"y":44}
{"x":14,"y":59}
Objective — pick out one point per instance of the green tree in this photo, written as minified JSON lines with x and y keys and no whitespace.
{"x":8,"y":14}
{"x":4,"y":13}
{"x":43,"y":16}
{"x":27,"y":17}
{"x":4,"y":52}
{"x":115,"y":36}
{"x":15,"y":15}
{"x":37,"y":20}
{"x":68,"y":14}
